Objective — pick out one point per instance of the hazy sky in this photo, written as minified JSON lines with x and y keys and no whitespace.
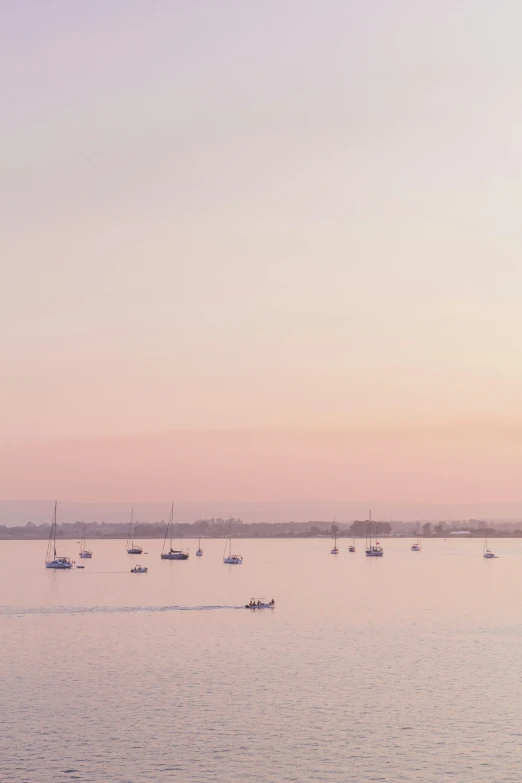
{"x":261,"y":250}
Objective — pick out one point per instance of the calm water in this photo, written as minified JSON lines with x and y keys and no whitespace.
{"x":401,"y":669}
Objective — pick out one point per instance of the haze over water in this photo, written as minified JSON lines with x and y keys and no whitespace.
{"x":401,"y":669}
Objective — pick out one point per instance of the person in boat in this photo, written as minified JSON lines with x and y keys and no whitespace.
{"x":272,"y":602}
{"x":259,"y":603}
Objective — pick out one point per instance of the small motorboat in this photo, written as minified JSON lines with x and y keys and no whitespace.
{"x":351,"y":548}
{"x":259,"y":604}
{"x":80,"y":566}
{"x":139,"y":570}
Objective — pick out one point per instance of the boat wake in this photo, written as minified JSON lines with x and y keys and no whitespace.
{"x":20,"y":611}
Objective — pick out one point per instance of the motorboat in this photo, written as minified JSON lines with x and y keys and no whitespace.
{"x":351,"y":548}
{"x":231,"y":559}
{"x":199,"y":551}
{"x":51,"y":559}
{"x":138,"y":569}
{"x":170,"y":553}
{"x":132,"y":548}
{"x":260,"y":603}
{"x":372,"y":550}
{"x":84,"y":552}
{"x":416,"y":547}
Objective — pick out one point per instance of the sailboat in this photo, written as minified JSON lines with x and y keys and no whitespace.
{"x":230,"y":558}
{"x":335,"y":551}
{"x":84,"y":552}
{"x":172,"y":554}
{"x":372,"y":550}
{"x":351,"y":548}
{"x":199,"y":551}
{"x":417,"y":546}
{"x":487,"y":553}
{"x":132,"y":548}
{"x":51,"y":559}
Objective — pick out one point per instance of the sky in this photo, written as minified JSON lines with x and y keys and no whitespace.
{"x":261,"y":251}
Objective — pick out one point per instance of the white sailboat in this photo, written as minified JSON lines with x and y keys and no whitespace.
{"x":199,"y":551}
{"x":84,"y":552}
{"x":230,"y":558}
{"x":351,"y":548}
{"x":487,"y":553}
{"x":132,"y":548}
{"x":170,"y":553}
{"x":335,"y":551}
{"x":51,"y":559}
{"x":372,"y":550}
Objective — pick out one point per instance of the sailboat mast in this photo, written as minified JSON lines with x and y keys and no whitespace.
{"x":171,"y":523}
{"x":54,"y":529}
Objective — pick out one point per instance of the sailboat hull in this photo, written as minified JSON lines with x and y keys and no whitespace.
{"x":86,"y":555}
{"x":233,"y":560}
{"x":59,"y":564}
{"x":175,"y":556}
{"x":135,"y":550}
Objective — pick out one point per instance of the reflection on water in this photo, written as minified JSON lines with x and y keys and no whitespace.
{"x":400,"y":669}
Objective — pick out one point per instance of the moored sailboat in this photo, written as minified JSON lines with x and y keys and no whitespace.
{"x":351,"y":548}
{"x":84,"y":552}
{"x":51,"y":559}
{"x":486,"y":552}
{"x":132,"y":548}
{"x":372,"y":550}
{"x":170,"y":553}
{"x":334,"y":550}
{"x":199,"y":551}
{"x":231,"y":559}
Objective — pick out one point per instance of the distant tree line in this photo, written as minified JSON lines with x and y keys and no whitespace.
{"x":219,"y":528}
{"x":214,"y":528}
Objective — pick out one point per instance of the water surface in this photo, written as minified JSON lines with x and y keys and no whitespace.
{"x":400,"y":669}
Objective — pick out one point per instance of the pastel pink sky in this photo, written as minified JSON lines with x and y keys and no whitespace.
{"x":261,"y":251}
